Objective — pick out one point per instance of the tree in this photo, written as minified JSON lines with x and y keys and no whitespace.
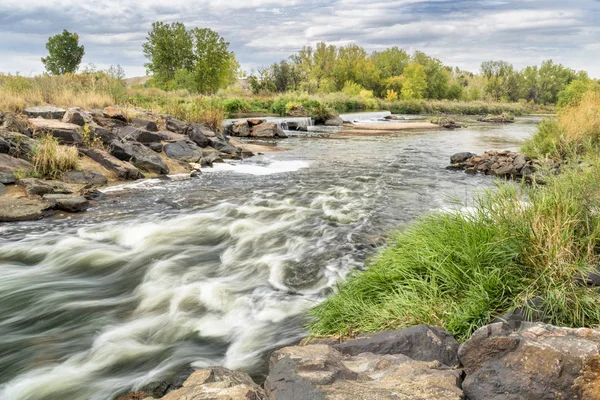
{"x":414,"y":82}
{"x":64,"y":53}
{"x":169,"y":48}
{"x":215,"y":66}
{"x":391,"y":62}
{"x":436,"y":74}
{"x":496,"y":74}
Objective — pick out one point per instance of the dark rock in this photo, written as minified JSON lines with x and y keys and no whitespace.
{"x":3,"y":189}
{"x":4,"y":146}
{"x":115,"y":112}
{"x":68,"y":203}
{"x":221,"y":144}
{"x":123,"y":170}
{"x":48,"y":112}
{"x":175,"y":125}
{"x":156,"y":147}
{"x":13,"y":164}
{"x":183,"y":150}
{"x":506,"y":169}
{"x":255,"y":121}
{"x":10,"y":123}
{"x":144,"y":124}
{"x":240,"y":128}
{"x":7,"y":178}
{"x":421,"y":342}
{"x":40,"y":187}
{"x":140,"y":156}
{"x":500,"y":118}
{"x":268,"y":129}
{"x":531,"y":361}
{"x":85,"y":177}
{"x":77,"y":116}
{"x":199,"y":134}
{"x":212,"y":157}
{"x":168,"y":136}
{"x":65,"y":133}
{"x":17,"y":145}
{"x":18,"y":209}
{"x":109,"y":123}
{"x":334,"y":121}
{"x":131,"y":133}
{"x":105,"y":135}
{"x":93,"y":194}
{"x":519,"y":162}
{"x":460,"y":157}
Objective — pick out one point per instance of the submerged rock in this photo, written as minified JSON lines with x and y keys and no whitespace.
{"x":48,"y":112}
{"x":19,"y":209}
{"x":531,"y":361}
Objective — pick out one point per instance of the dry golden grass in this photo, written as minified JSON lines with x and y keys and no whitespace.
{"x":51,"y":159}
{"x":583,"y":120}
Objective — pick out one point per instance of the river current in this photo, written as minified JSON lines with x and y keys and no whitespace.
{"x":215,"y":270}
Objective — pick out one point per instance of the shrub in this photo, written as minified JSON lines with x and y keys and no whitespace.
{"x":236,"y":106}
{"x":391,"y":95}
{"x":51,"y":159}
{"x":352,"y":88}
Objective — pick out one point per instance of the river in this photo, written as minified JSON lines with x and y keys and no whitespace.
{"x":216,"y":270}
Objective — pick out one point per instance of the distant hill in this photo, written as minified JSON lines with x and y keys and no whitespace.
{"x":137,"y":80}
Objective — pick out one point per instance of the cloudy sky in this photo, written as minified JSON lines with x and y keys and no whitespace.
{"x":461,"y":33}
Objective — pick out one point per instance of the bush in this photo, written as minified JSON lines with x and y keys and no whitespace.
{"x":236,"y":106}
{"x":51,"y":159}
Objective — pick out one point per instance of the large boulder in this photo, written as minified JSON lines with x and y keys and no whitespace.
{"x":48,"y":112}
{"x":140,"y":156}
{"x":183,"y":150}
{"x":321,"y":372}
{"x":67,"y":202}
{"x":240,"y":128}
{"x":65,"y":132}
{"x":137,"y":134}
{"x":108,"y":123}
{"x":144,"y":124}
{"x":115,"y":112}
{"x":17,"y":145}
{"x":221,"y":144}
{"x":420,"y":342}
{"x":199,"y":134}
{"x":217,"y":383}
{"x":40,"y":187}
{"x":105,"y":135}
{"x":77,"y":116}
{"x":460,"y":157}
{"x":334,"y":121}
{"x":268,"y":129}
{"x":12,"y":164}
{"x":85,"y":177}
{"x":18,"y":209}
{"x":531,"y":361}
{"x":123,"y":170}
{"x":9,"y":122}
{"x":175,"y":125}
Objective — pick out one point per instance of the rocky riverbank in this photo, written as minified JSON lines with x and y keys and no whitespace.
{"x":503,"y":164}
{"x":516,"y":360}
{"x":114,"y":145}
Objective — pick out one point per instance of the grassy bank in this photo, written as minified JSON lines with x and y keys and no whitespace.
{"x":519,"y":246}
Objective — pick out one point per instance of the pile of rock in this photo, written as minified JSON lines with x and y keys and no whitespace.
{"x":256,"y":127}
{"x":503,"y":118}
{"x":498,"y":163}
{"x":446,"y":122}
{"x":521,"y":360}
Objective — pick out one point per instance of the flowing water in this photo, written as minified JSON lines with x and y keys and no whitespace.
{"x":217,"y":270}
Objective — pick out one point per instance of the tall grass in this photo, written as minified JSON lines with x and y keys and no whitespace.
{"x":51,"y":159}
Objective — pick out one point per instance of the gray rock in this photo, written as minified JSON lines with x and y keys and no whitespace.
{"x":115,"y":112}
{"x":48,"y":112}
{"x":175,"y":125}
{"x":334,"y":121}
{"x":156,"y":147}
{"x":4,"y":146}
{"x":321,"y":372}
{"x":105,"y":135}
{"x":240,"y":128}
{"x":140,"y":156}
{"x":268,"y":129}
{"x":10,"y":123}
{"x":123,"y":170}
{"x":460,"y":157}
{"x":19,"y":209}
{"x":68,"y":203}
{"x":507,"y":169}
{"x":108,"y":123}
{"x":531,"y":361}
{"x":40,"y":187}
{"x":221,"y":144}
{"x":65,"y":133}
{"x":183,"y":150}
{"x":7,"y":178}
{"x":199,"y":134}
{"x":144,"y":124}
{"x":3,"y":189}
{"x":420,"y":342}
{"x":519,"y":162}
{"x":168,"y":136}
{"x":85,"y":177}
{"x":77,"y":116}
{"x":13,"y":164}
{"x":137,"y":134}
{"x":212,"y":157}
{"x":17,"y":145}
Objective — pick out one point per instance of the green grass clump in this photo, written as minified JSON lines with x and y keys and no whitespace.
{"x":460,"y":270}
{"x":51,"y":159}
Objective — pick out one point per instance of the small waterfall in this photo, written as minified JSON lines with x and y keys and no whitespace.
{"x":365,"y":116}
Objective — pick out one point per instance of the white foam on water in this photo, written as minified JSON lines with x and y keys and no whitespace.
{"x":275,"y":167}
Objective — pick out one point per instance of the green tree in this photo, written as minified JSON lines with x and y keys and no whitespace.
{"x":414,"y":82}
{"x":169,"y":48}
{"x":391,"y":62}
{"x":496,"y":74}
{"x":352,"y":64}
{"x":436,"y":74}
{"x":64,"y":53}
{"x":215,"y":66}
{"x":573,"y":93}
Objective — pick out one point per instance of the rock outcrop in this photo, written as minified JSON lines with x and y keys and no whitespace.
{"x":140,"y":156}
{"x":77,"y":116}
{"x":65,"y":132}
{"x":67,"y":202}
{"x":15,"y":210}
{"x":47,"y":112}
{"x":40,"y":187}
{"x":497,"y":163}
{"x":123,"y":170}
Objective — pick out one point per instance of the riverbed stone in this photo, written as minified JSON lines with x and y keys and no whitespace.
{"x":217,"y":383}
{"x":77,"y":116}
{"x":123,"y":170}
{"x":420,"y":342}
{"x":65,"y":132}
{"x":20,"y":209}
{"x":10,"y":123}
{"x":48,"y":112}
{"x":531,"y":361}
{"x":17,"y":145}
{"x":460,"y":157}
{"x":115,"y":112}
{"x":131,"y":133}
{"x":85,"y":177}
{"x":144,"y":124}
{"x":183,"y":150}
{"x":140,"y":156}
{"x":240,"y":128}
{"x":175,"y":125}
{"x":319,"y":371}
{"x":40,"y":187}
{"x":108,"y":123}
{"x":334,"y":121}
{"x":7,"y":178}
{"x":221,"y":144}
{"x":66,"y":202}
{"x":9,"y":163}
{"x":268,"y":129}
{"x":199,"y":134}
